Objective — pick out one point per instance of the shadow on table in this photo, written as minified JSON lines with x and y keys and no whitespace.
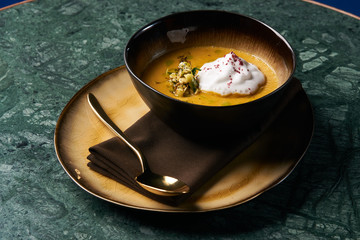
{"x":272,"y":207}
{"x":310,"y":186}
{"x":298,"y":199}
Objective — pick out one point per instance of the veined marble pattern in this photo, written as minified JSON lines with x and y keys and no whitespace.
{"x":50,"y":49}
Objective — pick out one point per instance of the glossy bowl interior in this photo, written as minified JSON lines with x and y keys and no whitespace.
{"x":208,"y":28}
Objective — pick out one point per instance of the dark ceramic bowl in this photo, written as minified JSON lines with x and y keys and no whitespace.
{"x":208,"y":28}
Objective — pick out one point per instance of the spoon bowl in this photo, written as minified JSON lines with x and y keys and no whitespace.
{"x":152,"y":182}
{"x":161,"y":185}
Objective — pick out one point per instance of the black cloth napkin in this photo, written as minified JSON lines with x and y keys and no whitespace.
{"x":172,"y":154}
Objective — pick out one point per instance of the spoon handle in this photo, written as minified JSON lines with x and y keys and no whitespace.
{"x":99,"y":111}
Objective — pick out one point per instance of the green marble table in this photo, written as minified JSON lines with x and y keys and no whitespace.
{"x":50,"y":49}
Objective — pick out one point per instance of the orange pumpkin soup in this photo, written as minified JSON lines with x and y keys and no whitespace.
{"x":156,"y":75}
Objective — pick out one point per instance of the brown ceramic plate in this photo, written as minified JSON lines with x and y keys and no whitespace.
{"x":260,"y":167}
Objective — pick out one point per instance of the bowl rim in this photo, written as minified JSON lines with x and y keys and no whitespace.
{"x":159,"y":20}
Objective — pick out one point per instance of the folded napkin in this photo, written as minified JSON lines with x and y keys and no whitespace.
{"x":172,"y":154}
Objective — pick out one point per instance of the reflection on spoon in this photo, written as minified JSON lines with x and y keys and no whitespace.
{"x":152,"y":182}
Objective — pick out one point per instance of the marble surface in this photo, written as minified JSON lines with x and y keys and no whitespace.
{"x":50,"y":49}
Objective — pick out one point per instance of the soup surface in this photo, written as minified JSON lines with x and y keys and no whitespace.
{"x":155,"y":75}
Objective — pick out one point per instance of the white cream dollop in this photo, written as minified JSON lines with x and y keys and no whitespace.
{"x":230,"y":75}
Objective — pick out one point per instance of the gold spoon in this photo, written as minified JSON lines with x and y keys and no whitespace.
{"x":152,"y":182}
